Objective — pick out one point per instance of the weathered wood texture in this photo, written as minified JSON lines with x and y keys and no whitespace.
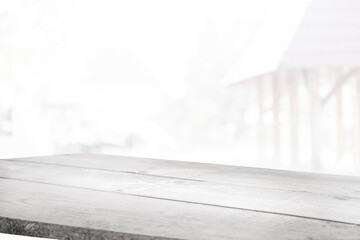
{"x":88,"y":196}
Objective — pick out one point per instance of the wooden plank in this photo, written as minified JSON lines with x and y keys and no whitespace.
{"x":104,"y":211}
{"x":332,"y":207}
{"x":244,"y":176}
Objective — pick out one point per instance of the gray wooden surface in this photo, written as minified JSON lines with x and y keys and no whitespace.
{"x":90,"y":196}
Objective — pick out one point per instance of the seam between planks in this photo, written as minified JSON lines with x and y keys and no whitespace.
{"x":107,"y":170}
{"x":189,"y":202}
{"x":164,"y":176}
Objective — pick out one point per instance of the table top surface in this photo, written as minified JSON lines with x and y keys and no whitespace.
{"x":101,"y":196}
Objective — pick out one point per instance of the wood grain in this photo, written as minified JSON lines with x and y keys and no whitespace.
{"x":332,"y":207}
{"x":153,"y":217}
{"x":266,"y":178}
{"x":138,"y":198}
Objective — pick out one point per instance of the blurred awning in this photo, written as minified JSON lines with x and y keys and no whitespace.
{"x":270,"y":42}
{"x":328,"y":36}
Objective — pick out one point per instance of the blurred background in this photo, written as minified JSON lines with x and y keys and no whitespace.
{"x":262,"y":83}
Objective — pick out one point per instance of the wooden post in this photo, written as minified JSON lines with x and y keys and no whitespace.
{"x":339,"y":123}
{"x":357,"y":112}
{"x":293,"y":112}
{"x":313,"y":82}
{"x":260,"y":122}
{"x":276,"y":110}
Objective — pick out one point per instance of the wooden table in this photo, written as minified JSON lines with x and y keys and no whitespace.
{"x":89,"y":196}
